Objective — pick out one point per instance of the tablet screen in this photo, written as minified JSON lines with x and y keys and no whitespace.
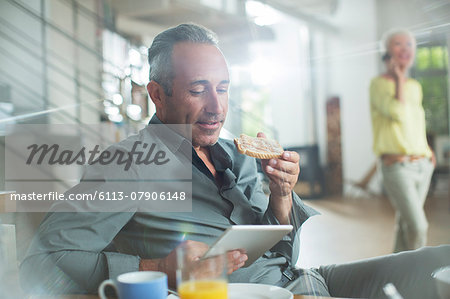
{"x":253,"y":239}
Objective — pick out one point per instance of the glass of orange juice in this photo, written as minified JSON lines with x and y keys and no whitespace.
{"x":205,"y":278}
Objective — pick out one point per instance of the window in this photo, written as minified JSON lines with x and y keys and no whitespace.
{"x":431,"y":70}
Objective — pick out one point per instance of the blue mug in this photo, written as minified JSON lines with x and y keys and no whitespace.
{"x":137,"y":285}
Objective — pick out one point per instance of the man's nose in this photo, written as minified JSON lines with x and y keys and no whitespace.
{"x":213,"y":104}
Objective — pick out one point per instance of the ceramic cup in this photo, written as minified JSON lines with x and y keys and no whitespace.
{"x":137,"y":285}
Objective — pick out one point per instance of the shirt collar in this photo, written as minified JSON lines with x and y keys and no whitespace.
{"x":174,"y":141}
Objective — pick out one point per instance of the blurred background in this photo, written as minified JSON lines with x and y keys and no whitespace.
{"x":300,"y":71}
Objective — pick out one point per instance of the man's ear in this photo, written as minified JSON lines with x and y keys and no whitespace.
{"x":156,"y":93}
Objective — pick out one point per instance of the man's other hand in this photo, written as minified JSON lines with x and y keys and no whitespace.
{"x":193,"y":252}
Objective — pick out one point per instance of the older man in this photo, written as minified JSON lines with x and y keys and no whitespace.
{"x":189,"y":84}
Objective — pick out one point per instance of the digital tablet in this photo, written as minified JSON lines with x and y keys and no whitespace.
{"x":254,"y":239}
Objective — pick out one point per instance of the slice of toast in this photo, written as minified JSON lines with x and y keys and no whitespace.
{"x":258,"y":147}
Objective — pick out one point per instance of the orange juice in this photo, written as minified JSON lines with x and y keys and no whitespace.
{"x":203,"y":289}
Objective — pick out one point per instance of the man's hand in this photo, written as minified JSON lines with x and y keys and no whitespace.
{"x":193,"y":252}
{"x":283,"y":175}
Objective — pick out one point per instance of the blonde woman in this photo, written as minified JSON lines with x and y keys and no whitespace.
{"x":399,"y":140}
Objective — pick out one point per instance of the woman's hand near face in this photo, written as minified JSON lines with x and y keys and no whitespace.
{"x":399,"y":75}
{"x":395,"y":70}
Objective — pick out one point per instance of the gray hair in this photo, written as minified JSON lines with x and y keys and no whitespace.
{"x":160,"y":52}
{"x":389,"y":35}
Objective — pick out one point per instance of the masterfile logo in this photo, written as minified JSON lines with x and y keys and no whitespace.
{"x":140,"y":153}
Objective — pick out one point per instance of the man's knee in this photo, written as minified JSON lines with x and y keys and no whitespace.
{"x":308,"y":282}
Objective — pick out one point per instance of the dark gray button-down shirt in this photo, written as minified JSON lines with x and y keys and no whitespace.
{"x":74,"y":252}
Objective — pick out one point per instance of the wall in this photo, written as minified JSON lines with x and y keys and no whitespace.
{"x":424,"y":18}
{"x":282,"y":69}
{"x":351,"y":62}
{"x":292,"y":103}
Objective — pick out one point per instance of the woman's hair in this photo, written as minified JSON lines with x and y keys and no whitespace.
{"x":387,"y":37}
{"x":160,"y":52}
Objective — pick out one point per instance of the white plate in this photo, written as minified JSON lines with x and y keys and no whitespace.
{"x":257,"y":291}
{"x":253,"y":291}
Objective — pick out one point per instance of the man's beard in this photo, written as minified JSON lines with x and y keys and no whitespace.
{"x":211,"y":135}
{"x":208,"y":133}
